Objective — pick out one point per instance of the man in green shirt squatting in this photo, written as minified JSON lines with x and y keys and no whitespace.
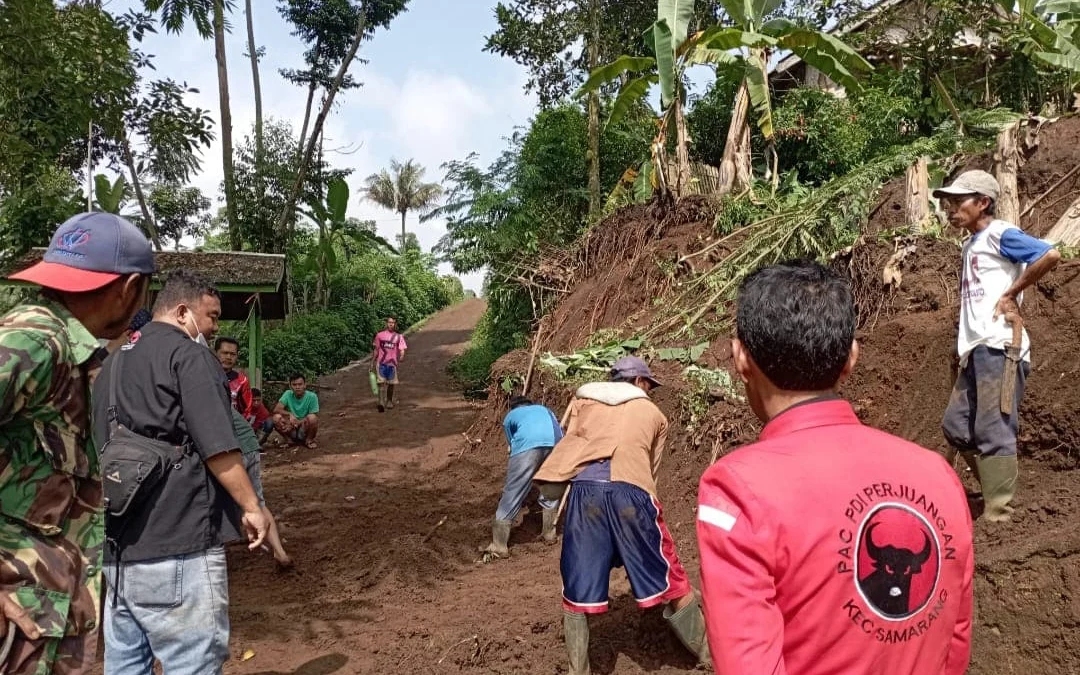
{"x":296,"y":414}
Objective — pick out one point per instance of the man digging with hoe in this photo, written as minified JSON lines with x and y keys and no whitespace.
{"x":999,"y":262}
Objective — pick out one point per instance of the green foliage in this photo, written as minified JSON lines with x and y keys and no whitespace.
{"x":531,"y":198}
{"x":314,"y":344}
{"x":686,"y":355}
{"x":327,"y":27}
{"x":704,"y":385}
{"x":544,"y":36}
{"x":61,"y":68}
{"x":262,"y":189}
{"x":591,"y":362}
{"x":710,"y":117}
{"x":821,"y":136}
{"x":110,"y":196}
{"x":320,"y":342}
{"x":534,"y":195}
{"x":29,"y":214}
{"x":179,"y":211}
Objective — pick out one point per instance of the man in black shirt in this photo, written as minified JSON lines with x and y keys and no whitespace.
{"x":165,"y":558}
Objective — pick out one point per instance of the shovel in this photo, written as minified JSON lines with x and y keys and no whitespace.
{"x":1012,"y":363}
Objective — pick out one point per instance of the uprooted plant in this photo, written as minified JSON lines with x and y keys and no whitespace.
{"x":817,"y":224}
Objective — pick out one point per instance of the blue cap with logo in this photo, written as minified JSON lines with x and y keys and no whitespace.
{"x":89,"y":251}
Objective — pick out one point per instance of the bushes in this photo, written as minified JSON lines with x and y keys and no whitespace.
{"x":316,"y":343}
{"x":822,"y":136}
{"x":311,"y":344}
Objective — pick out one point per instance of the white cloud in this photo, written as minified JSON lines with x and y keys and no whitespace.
{"x":432,"y":115}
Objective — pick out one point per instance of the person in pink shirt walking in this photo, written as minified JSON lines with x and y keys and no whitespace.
{"x":388,"y":350}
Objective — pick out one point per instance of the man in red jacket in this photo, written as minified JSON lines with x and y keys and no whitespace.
{"x":827,"y":546}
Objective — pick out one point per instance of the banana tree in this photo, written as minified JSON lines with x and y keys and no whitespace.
{"x":747,"y":45}
{"x":756,"y":38}
{"x":334,"y":231}
{"x":671,"y":57}
{"x":1052,"y":29}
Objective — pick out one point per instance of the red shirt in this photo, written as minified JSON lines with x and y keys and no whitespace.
{"x":260,"y":415}
{"x":830,"y":547}
{"x":240,"y":392}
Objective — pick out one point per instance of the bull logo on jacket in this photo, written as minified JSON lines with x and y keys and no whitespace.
{"x":898,"y":561}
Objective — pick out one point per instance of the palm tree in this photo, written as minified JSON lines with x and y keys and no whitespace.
{"x":401,"y":189}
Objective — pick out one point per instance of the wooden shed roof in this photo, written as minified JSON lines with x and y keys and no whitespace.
{"x":229,"y":270}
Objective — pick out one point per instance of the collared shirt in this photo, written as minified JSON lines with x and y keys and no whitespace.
{"x":993,"y":260}
{"x":172,"y":389}
{"x":832,"y":547}
{"x":613,"y":421}
{"x":51,"y":522}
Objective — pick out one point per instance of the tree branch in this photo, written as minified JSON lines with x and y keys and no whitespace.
{"x":148,"y":218}
{"x":316,"y":132}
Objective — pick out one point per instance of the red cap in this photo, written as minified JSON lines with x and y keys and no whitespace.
{"x":63,"y":278}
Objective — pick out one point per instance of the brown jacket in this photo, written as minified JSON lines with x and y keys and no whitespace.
{"x":610,"y":420}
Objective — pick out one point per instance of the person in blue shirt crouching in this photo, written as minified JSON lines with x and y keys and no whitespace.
{"x":532,"y":430}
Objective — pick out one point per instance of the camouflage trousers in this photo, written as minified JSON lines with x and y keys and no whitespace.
{"x":72,"y":655}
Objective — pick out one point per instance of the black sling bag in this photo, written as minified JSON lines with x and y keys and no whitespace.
{"x":131,"y":464}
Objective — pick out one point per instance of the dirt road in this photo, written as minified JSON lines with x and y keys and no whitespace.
{"x":379,"y":586}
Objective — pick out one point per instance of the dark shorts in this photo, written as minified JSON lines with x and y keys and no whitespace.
{"x":973,"y":421}
{"x":612,"y":525}
{"x":387,"y":373}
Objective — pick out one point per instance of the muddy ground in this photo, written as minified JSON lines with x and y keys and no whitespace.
{"x":384,"y":519}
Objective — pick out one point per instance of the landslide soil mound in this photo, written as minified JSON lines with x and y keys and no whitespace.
{"x":1028,"y":572}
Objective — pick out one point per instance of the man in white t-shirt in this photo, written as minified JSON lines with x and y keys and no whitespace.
{"x":1000,"y":261}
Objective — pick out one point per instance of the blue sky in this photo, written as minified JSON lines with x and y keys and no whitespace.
{"x":430,"y":93}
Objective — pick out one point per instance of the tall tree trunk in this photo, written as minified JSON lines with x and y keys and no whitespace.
{"x":682,"y":150}
{"x":90,"y":166}
{"x":253,"y":53}
{"x":594,"y":113}
{"x":235,"y":242}
{"x":735,"y":165}
{"x":403,"y":230}
{"x":148,"y":218}
{"x":312,"y":87}
{"x":328,"y":102}
{"x":260,"y":153}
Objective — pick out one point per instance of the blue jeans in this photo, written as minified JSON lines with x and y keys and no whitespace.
{"x":519,"y":474}
{"x":973,"y":420}
{"x":172,"y":609}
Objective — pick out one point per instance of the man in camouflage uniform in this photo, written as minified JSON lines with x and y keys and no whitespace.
{"x":94,"y":277}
